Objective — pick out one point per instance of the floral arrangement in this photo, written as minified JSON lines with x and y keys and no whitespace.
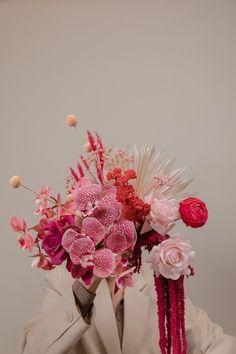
{"x":118,"y":202}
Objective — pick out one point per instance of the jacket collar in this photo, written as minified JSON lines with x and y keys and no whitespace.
{"x":136,"y":305}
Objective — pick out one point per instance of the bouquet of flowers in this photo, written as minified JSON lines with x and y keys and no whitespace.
{"x":118,"y":202}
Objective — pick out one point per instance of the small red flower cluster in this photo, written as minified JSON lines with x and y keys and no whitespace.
{"x":134,"y":208}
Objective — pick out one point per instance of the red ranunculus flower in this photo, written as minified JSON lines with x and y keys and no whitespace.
{"x":193,"y":212}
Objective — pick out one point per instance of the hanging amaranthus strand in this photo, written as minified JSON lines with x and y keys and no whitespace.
{"x":161,"y":311}
{"x":170,"y":302}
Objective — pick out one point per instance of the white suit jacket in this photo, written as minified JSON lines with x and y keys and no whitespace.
{"x":60,"y":328}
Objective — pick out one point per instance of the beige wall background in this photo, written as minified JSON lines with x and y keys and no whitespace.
{"x":161,"y":72}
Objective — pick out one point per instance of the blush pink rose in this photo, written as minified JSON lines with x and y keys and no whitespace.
{"x":171,"y":258}
{"x":163,"y":213}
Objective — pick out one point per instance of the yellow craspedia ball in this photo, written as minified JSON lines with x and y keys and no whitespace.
{"x":71,"y":120}
{"x":87,"y":147}
{"x":70,"y":198}
{"x":15,"y":181}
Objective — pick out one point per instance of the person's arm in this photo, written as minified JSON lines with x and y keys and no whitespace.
{"x":60,"y":323}
{"x":204,"y":336}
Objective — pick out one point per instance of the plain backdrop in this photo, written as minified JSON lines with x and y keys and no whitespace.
{"x":157,"y":72}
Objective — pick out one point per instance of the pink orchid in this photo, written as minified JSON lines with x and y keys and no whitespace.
{"x":104,"y":263}
{"x":86,"y":196}
{"x":79,"y":248}
{"x":16,"y":224}
{"x":25,"y":239}
{"x":40,"y":261}
{"x":125,"y":278}
{"x":93,"y":228}
{"x":108,"y":209}
{"x":124,"y":274}
{"x":122,"y":236}
{"x":41,"y":199}
{"x":69,"y":236}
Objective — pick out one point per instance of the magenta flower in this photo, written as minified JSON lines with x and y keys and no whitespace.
{"x":51,"y":242}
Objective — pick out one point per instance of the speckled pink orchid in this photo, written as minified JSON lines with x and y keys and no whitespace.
{"x":98,"y":201}
{"x":86,"y":196}
{"x":93,"y":228}
{"x":108,"y":209}
{"x":77,"y":245}
{"x":122,"y":236}
{"x":81,"y":249}
{"x":104,"y":262}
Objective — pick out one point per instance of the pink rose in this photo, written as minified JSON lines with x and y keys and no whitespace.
{"x":163,"y":213}
{"x":171,"y":257}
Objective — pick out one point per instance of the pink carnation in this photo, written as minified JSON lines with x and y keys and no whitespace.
{"x":171,"y":258}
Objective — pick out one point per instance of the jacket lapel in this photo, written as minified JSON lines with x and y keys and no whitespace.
{"x":135,"y":316}
{"x":136,"y":305}
{"x":105,"y":321}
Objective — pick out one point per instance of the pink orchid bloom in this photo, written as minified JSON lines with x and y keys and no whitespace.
{"x":93,"y":228}
{"x":25,"y":239}
{"x":41,"y":199}
{"x":81,"y":249}
{"x":123,"y":273}
{"x":42,"y":262}
{"x":16,"y":224}
{"x":86,"y":196}
{"x":125,"y":278}
{"x":104,"y":262}
{"x":122,"y":236}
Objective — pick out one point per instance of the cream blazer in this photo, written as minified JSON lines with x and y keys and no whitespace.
{"x":60,"y":328}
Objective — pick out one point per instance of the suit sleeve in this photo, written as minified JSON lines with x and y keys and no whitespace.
{"x":59,"y":325}
{"x":204,"y":336}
